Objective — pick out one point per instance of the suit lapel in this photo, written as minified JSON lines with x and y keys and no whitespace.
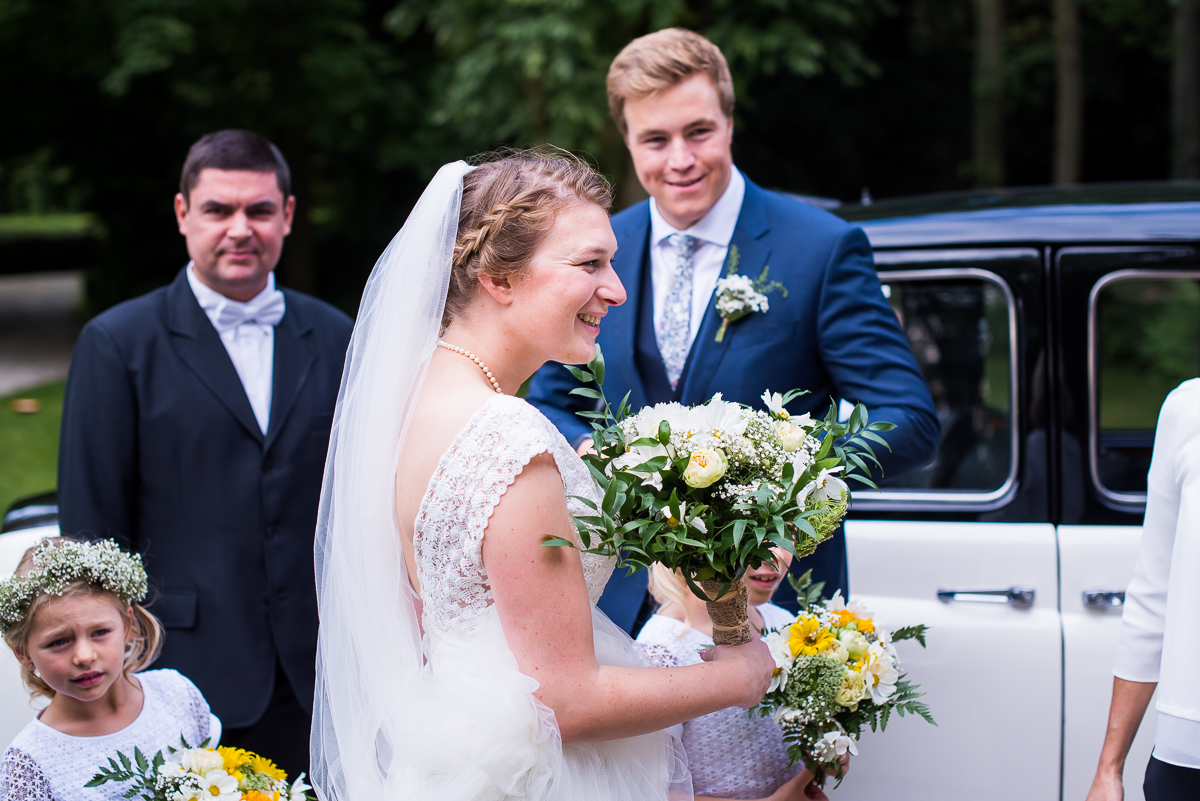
{"x":200,"y":348}
{"x":292,"y":363}
{"x":749,"y":237}
{"x":622,"y":320}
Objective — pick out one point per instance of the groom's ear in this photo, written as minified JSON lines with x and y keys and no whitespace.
{"x":499,"y":287}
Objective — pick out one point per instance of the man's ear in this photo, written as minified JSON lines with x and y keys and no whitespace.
{"x":501,"y":289}
{"x":181,"y":212}
{"x":289,"y":211}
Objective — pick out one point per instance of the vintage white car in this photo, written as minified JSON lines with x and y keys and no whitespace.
{"x":1050,"y":325}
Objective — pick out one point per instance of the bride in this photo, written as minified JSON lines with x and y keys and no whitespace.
{"x":459,"y":658}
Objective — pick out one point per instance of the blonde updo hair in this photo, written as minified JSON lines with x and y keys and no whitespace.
{"x":142,"y":646}
{"x":509,"y":203}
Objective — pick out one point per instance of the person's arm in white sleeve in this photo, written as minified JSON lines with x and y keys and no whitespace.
{"x":1139,"y":651}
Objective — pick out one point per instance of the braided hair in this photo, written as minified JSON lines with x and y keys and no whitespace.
{"x":508,"y":207}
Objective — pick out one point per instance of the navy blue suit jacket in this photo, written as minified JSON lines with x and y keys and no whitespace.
{"x":160,"y":450}
{"x":834,"y":335}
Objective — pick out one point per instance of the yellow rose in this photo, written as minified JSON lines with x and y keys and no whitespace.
{"x":705,"y":468}
{"x":853,"y":686}
{"x":791,"y":435}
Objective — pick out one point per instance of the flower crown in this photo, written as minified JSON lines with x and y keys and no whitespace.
{"x":60,"y":563}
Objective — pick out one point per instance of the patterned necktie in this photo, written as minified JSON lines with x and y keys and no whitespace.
{"x":675,"y":326}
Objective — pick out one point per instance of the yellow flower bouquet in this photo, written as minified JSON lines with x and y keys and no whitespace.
{"x":836,"y":672}
{"x":201,"y":774}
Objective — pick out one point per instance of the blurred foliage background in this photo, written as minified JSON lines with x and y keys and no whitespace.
{"x":366,"y":98}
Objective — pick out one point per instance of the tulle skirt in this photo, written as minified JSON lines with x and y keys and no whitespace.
{"x":479,"y":734}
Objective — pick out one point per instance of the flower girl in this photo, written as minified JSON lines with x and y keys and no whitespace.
{"x":72,"y":616}
{"x":731,"y":754}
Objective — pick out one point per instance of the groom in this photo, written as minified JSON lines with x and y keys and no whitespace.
{"x":671,"y":96}
{"x":195,"y":426}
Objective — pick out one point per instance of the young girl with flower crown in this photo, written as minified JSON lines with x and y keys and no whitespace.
{"x":732,"y":755}
{"x":73,"y":618}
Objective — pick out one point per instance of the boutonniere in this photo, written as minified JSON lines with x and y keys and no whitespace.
{"x":739,"y":295}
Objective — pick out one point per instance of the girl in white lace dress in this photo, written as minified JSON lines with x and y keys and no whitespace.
{"x":730,"y":754}
{"x":459,"y":658}
{"x":72,"y":617}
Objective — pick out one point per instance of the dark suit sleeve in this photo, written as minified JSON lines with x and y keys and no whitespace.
{"x":869,"y":359}
{"x":97,"y":452}
{"x":549,"y":391}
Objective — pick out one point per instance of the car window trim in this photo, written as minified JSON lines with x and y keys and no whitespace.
{"x":963,"y":500}
{"x":1093,"y":355}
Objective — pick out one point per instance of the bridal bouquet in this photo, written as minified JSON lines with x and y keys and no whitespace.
{"x":201,"y":774}
{"x":708,"y":490}
{"x":836,"y":672}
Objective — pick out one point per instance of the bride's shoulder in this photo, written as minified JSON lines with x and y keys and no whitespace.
{"x":513,"y":421}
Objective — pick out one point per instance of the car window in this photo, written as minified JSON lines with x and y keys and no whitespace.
{"x":1145,"y":341}
{"x":960,"y":326}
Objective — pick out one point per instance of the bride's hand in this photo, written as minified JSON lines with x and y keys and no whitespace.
{"x":757,"y":663}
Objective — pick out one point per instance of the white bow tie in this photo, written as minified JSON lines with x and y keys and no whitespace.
{"x":266,"y":309}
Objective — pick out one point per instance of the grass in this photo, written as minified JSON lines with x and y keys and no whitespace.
{"x":29,"y":444}
{"x":48,"y":226}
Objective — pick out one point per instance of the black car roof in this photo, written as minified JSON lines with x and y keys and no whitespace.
{"x":1125,"y":212}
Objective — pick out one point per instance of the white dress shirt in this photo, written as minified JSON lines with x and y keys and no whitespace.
{"x":1160,"y":626}
{"x":249,"y":342}
{"x":714,"y":230}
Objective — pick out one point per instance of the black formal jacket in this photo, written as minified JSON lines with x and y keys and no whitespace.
{"x":160,"y":450}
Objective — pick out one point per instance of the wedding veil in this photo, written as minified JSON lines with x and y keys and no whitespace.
{"x":369,"y":648}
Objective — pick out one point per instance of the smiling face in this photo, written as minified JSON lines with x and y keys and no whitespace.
{"x":561,"y":296}
{"x":235,"y":222}
{"x":762,"y":580}
{"x":77,"y":644}
{"x":681,"y":141}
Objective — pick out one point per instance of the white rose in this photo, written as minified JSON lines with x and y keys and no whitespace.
{"x":853,"y":687}
{"x":791,"y":435}
{"x":856,"y":644}
{"x":837,"y":652}
{"x":705,"y":468}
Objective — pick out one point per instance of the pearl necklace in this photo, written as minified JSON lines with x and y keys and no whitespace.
{"x":474,"y":358}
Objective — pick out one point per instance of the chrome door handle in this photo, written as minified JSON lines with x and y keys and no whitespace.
{"x":1103,"y":599}
{"x":1017,"y":596}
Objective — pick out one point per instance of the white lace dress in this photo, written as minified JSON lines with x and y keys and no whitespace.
{"x":484,"y":734}
{"x":43,"y":764}
{"x":730,"y":753}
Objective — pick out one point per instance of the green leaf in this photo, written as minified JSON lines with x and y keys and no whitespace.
{"x":556,"y":542}
{"x":580,"y":375}
{"x":586,"y":392}
{"x":597,"y":365}
{"x":911,"y":633}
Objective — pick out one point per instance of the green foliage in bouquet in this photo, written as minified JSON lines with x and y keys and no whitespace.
{"x":710,"y":489}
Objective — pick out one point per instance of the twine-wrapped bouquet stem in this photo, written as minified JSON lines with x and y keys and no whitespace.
{"x":730,"y":612}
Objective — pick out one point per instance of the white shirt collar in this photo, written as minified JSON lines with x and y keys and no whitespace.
{"x":213,"y":301}
{"x":716,"y":226}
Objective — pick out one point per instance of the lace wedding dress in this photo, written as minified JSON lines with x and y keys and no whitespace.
{"x":487,"y":735}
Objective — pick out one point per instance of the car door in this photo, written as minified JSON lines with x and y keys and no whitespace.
{"x":965,"y":545}
{"x":1139,"y":311}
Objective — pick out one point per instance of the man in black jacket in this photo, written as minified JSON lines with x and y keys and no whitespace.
{"x":194,"y":431}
